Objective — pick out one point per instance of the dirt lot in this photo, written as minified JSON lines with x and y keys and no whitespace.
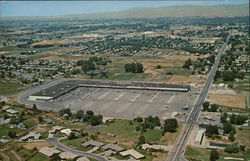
{"x":228,"y":100}
{"x":243,"y":136}
{"x":179,"y":79}
{"x":49,"y":42}
{"x":38,"y":145}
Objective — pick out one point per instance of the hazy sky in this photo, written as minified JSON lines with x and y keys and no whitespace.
{"x":54,"y":8}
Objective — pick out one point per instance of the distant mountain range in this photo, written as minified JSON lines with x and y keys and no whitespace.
{"x":167,"y":11}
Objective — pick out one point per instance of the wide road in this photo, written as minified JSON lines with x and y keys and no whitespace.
{"x":177,"y":152}
{"x":58,"y":145}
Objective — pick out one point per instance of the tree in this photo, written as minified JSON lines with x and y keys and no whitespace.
{"x":138,"y":119}
{"x":152,"y":122}
{"x":214,"y":155}
{"x":227,"y":128}
{"x":90,"y":113}
{"x":224,"y":118}
{"x":65,"y":111}
{"x":231,"y":136}
{"x":40,"y":119}
{"x":212,"y":130}
{"x":213,"y":108}
{"x":217,"y":75}
{"x":170,"y":125}
{"x":34,"y":107}
{"x":79,"y":114}
{"x":187,"y":64}
{"x":205,"y":106}
{"x":95,"y":120}
{"x":12,"y":134}
{"x":158,"y":67}
{"x":228,"y":76}
{"x":142,"y":140}
{"x":242,"y":147}
{"x":232,"y":148}
{"x":71,"y":136}
{"x":133,"y":67}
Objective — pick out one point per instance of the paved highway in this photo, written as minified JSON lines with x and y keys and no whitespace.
{"x":58,"y":145}
{"x":177,"y":152}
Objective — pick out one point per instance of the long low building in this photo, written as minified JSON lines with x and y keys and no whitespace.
{"x":69,"y":85}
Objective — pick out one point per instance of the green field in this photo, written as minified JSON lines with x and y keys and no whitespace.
{"x":39,"y":157}
{"x":242,"y":85}
{"x":6,"y":128}
{"x":9,"y":88}
{"x":199,"y":154}
{"x":178,"y":71}
{"x":124,"y":130}
{"x":153,"y":136}
{"x":76,"y":143}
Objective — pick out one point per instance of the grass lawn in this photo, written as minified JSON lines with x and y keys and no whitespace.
{"x":39,"y":157}
{"x":178,"y":71}
{"x":5,"y":129}
{"x":122,"y":129}
{"x":76,"y":143}
{"x":9,"y":88}
{"x":199,"y":154}
{"x":30,"y":123}
{"x":153,"y":136}
{"x":242,"y":85}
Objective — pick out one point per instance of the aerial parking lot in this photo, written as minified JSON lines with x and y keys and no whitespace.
{"x":121,"y":103}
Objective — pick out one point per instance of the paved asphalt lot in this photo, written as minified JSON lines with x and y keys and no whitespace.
{"x":117,"y":103}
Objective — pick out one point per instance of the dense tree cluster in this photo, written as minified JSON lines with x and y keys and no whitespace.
{"x":200,"y":63}
{"x":170,"y":125}
{"x":212,"y":130}
{"x":134,"y":67}
{"x":214,"y":155}
{"x":237,"y":119}
{"x":210,"y":108}
{"x":92,"y":63}
{"x":234,"y":148}
{"x":147,"y":123}
{"x":89,"y":117}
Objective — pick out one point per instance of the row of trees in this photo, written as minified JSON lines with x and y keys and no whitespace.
{"x":234,"y":119}
{"x":150,"y":122}
{"x":88,"y":117}
{"x":210,"y":108}
{"x":134,"y":67}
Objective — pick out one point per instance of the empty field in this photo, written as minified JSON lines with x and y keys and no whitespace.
{"x":229,"y":100}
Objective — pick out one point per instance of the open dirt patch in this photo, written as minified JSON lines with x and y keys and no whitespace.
{"x":41,"y":129}
{"x":38,"y":145}
{"x":228,"y":100}
{"x":179,"y":79}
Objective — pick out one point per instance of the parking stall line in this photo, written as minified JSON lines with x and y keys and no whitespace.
{"x":102,"y":96}
{"x":116,"y":98}
{"x":89,"y":94}
{"x":170,"y":100}
{"x":133,"y":99}
{"x":152,"y":99}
